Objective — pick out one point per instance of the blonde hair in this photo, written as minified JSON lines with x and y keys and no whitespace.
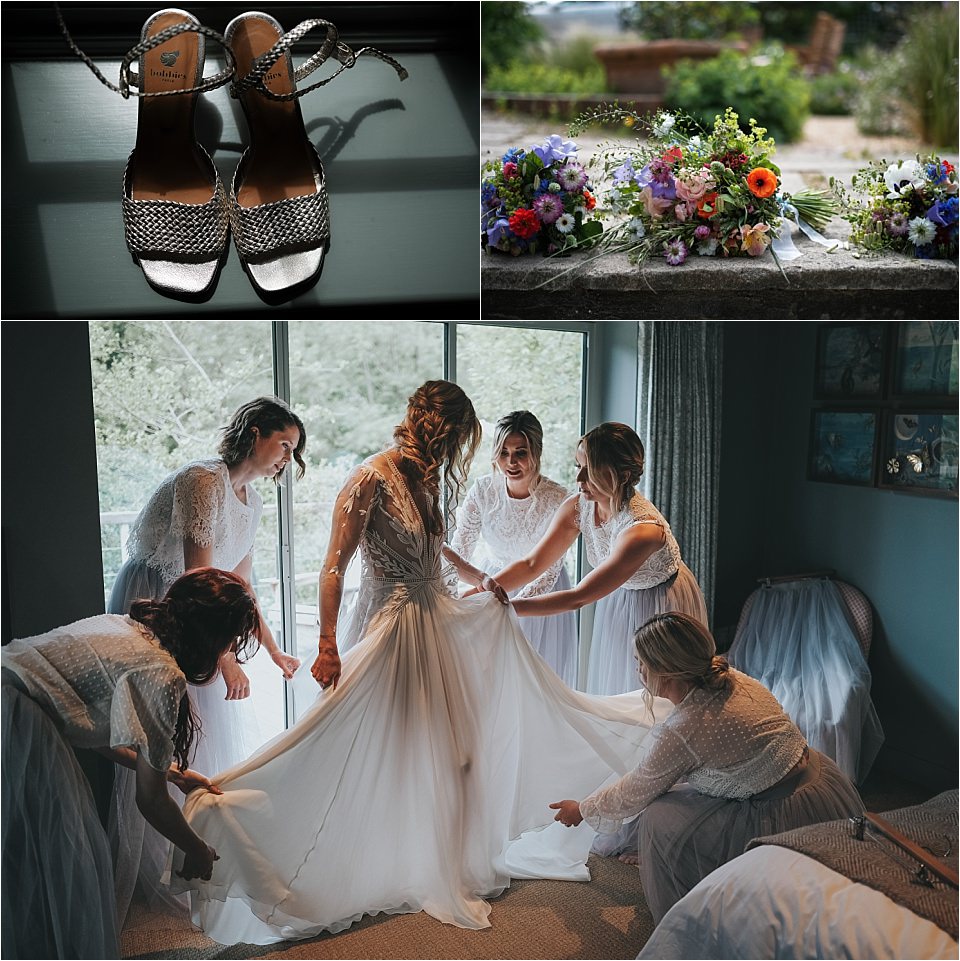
{"x":440,"y":433}
{"x":675,"y":645}
{"x":614,"y":455}
{"x":526,"y":424}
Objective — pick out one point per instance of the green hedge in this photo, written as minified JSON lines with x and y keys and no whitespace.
{"x":766,"y":85}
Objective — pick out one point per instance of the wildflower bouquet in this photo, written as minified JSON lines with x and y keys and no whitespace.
{"x":537,"y":199}
{"x":710,"y":193}
{"x":909,"y":206}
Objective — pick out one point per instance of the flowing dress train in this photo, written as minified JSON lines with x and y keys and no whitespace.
{"x":411,"y":786}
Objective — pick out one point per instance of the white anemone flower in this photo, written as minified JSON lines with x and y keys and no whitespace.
{"x":904,"y":171}
{"x":565,"y":223}
{"x":921,"y":232}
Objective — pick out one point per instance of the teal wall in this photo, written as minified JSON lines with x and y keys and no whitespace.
{"x":900,"y":549}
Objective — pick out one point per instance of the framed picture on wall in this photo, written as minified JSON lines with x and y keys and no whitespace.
{"x":843,"y":446}
{"x":851,"y":361}
{"x":925,"y":359}
{"x":920,"y":452}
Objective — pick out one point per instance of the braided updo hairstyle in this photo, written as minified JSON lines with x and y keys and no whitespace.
{"x":675,"y":645}
{"x":439,"y":435}
{"x":614,"y":455}
{"x":203,"y":615}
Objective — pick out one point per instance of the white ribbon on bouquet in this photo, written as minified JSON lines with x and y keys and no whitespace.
{"x":783,"y":245}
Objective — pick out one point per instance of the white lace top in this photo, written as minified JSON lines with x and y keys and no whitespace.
{"x":196,"y":501}
{"x":599,"y":538}
{"x":509,"y":527}
{"x":107,"y":681}
{"x":725,"y":744}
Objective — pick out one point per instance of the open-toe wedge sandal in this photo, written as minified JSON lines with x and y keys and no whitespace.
{"x":175,"y":218}
{"x":278,"y":201}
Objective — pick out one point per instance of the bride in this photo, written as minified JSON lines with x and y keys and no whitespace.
{"x":421,"y":777}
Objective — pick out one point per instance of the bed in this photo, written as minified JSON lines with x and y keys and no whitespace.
{"x":774,"y":902}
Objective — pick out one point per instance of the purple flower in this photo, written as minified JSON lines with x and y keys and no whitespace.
{"x":898,"y":224}
{"x":702,"y":232}
{"x":625,"y":172}
{"x":659,"y":180}
{"x":548,"y":207}
{"x":497,"y":232}
{"x":555,"y":148}
{"x":571,"y":176}
{"x":675,"y":252}
{"x":943,"y":212}
{"x":936,"y":172}
{"x":488,"y":195}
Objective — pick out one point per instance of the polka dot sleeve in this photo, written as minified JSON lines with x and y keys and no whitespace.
{"x":144,"y":711}
{"x":667,"y":761}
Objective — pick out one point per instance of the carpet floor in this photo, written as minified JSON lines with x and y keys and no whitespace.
{"x":607,"y":918}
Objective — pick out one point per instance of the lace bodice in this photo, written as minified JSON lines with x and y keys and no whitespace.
{"x":199,"y":502}
{"x":508,"y":527}
{"x":377,"y":511}
{"x":599,"y":538}
{"x":725,"y":744}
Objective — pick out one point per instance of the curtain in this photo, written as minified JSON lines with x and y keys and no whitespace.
{"x":678,"y":420}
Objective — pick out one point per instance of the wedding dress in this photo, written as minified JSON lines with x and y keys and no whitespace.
{"x":411,"y":786}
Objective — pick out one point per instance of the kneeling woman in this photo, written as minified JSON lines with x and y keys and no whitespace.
{"x":117,"y":684}
{"x":747,"y":768}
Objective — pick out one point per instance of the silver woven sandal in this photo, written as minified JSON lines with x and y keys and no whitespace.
{"x":278,"y":201}
{"x":174,"y":206}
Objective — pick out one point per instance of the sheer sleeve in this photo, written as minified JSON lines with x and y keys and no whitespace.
{"x":351,"y":514}
{"x":668,"y":760}
{"x":144,"y":711}
{"x":198,"y":500}
{"x":469,"y":524}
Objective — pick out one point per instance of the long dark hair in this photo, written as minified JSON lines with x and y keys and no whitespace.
{"x":268,"y":415}
{"x":205,"y":613}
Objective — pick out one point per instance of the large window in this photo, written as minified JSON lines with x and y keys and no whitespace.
{"x":162,"y":391}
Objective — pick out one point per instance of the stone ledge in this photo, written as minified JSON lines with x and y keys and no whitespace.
{"x":818,"y":285}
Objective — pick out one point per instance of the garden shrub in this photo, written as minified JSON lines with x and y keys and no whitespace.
{"x":766,"y":85}
{"x":878,"y":108}
{"x":835,"y":93}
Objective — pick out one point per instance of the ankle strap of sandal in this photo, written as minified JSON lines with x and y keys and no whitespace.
{"x":332,"y":46}
{"x":129,"y":79}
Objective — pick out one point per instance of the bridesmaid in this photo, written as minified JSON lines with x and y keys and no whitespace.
{"x":637,"y":568}
{"x":510,"y":510}
{"x":204,"y":515}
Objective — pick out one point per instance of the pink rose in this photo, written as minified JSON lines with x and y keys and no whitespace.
{"x":509,"y":170}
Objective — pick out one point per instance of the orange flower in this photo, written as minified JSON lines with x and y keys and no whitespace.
{"x":762,"y":182}
{"x":589,"y":200}
{"x":707,"y":206}
{"x":672,"y":155}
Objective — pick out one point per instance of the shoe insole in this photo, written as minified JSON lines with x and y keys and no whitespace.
{"x":168,"y":165}
{"x":279,"y":164}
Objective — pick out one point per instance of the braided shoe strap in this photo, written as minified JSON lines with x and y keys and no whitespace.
{"x":297,"y":222}
{"x":130,"y":79}
{"x":171,"y":229}
{"x":332,"y":46}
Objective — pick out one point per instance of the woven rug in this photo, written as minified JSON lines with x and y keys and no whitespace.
{"x":607,"y":918}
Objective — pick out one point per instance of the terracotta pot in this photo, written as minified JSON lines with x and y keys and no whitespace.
{"x":635,"y":66}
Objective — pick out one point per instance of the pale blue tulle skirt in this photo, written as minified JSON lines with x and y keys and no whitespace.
{"x":57,"y":877}
{"x":796,"y":640}
{"x":555,"y":637}
{"x":612,"y":668}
